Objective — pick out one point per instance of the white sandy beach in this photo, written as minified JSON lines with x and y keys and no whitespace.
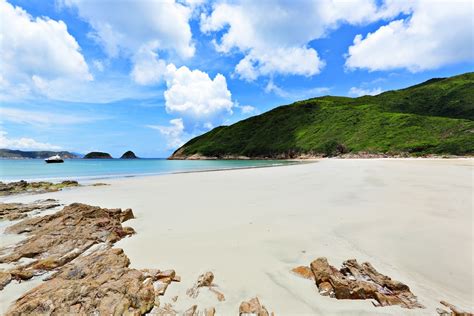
{"x":411,"y":218}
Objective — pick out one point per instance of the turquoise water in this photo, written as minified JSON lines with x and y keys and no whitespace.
{"x":37,"y":169}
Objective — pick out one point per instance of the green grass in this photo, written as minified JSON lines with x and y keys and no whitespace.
{"x":435,"y":117}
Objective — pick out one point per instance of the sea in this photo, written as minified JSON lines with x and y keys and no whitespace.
{"x":92,"y":169}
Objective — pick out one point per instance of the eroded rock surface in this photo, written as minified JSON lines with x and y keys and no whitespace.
{"x":15,"y":211}
{"x":359,"y":282}
{"x":54,"y":240}
{"x":453,"y":310}
{"x":98,"y":283}
{"x":253,"y":307}
{"x":205,"y":280}
{"x":34,"y":187}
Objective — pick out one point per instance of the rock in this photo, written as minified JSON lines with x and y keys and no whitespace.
{"x":253,"y":307}
{"x":359,"y":282}
{"x":454,"y":311}
{"x":5,"y":278}
{"x":34,"y":187}
{"x":192,"y":311}
{"x":304,"y":272}
{"x":210,"y":311}
{"x":54,"y":240}
{"x":15,"y":211}
{"x":129,"y":155}
{"x":98,"y":283}
{"x":126,"y":215}
{"x":220,"y":296}
{"x":97,"y":155}
{"x":203,"y":280}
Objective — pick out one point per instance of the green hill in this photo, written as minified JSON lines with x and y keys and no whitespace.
{"x":19,"y":154}
{"x":434,"y":117}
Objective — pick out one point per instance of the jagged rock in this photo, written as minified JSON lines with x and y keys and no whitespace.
{"x":454,"y":311}
{"x":34,"y":187}
{"x":304,"y":272}
{"x":253,"y":307}
{"x":354,"y":281}
{"x":15,"y":211}
{"x":5,"y":278}
{"x":166,"y":310}
{"x":100,"y":282}
{"x":205,"y":280}
{"x":61,"y":237}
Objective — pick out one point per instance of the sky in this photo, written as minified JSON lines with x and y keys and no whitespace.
{"x":146,"y":75}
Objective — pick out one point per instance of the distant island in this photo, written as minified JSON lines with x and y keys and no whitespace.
{"x":129,"y":155}
{"x":19,"y":154}
{"x":97,"y":155}
{"x":431,"y":118}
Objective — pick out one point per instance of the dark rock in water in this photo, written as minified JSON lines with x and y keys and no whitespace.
{"x":360,"y":282}
{"x":129,"y":155}
{"x":34,"y":187}
{"x":97,"y":155}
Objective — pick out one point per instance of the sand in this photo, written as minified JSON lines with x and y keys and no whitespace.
{"x":411,"y":218}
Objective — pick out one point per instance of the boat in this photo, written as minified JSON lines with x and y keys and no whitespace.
{"x":54,"y":159}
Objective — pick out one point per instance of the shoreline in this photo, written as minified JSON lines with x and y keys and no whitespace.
{"x":285,"y":217}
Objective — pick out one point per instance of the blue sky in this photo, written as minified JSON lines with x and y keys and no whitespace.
{"x":148,"y":75}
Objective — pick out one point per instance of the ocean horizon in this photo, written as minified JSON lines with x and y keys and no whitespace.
{"x":91,"y":169}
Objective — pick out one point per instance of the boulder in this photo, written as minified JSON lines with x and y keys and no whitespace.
{"x":253,"y":307}
{"x":358,"y":282}
{"x":15,"y":211}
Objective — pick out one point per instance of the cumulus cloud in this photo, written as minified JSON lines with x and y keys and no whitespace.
{"x":192,"y":93}
{"x":436,"y":33}
{"x":274,"y":35}
{"x":24,"y":143}
{"x":139,"y":29}
{"x":174,"y":132}
{"x":38,"y":48}
{"x":358,"y":92}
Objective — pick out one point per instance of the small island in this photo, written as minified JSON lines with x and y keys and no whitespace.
{"x":97,"y":155}
{"x":129,"y":155}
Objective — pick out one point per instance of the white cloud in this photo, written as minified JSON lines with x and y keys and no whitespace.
{"x":35,"y":48}
{"x":174,"y":133}
{"x":139,"y":29}
{"x":148,"y":68}
{"x":24,"y":143}
{"x":42,"y":118}
{"x":297,"y":94}
{"x":274,"y":35}
{"x":192,"y":93}
{"x":358,"y":92}
{"x":437,"y":33}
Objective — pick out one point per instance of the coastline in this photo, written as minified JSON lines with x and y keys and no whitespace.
{"x":284,"y":217}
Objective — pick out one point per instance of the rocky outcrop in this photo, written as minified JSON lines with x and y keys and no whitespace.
{"x":34,"y":187}
{"x":253,"y":307}
{"x":129,"y":155}
{"x":359,"y":282}
{"x":54,"y":240}
{"x":453,"y":310}
{"x":205,"y":280}
{"x":97,"y":155}
{"x":15,"y":211}
{"x":99,"y":283}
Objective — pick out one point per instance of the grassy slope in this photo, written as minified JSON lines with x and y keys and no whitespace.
{"x":435,"y":117}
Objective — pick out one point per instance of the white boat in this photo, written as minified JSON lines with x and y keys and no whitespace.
{"x":54,"y":159}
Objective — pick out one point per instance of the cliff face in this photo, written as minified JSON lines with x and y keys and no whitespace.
{"x":97,"y":155}
{"x":129,"y":155}
{"x":432,"y":118}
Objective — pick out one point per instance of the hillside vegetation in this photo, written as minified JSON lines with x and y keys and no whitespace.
{"x":434,"y":117}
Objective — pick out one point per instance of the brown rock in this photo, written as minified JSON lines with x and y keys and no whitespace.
{"x":59,"y":238}
{"x":203,"y":280}
{"x":304,"y":272}
{"x":5,"y":278}
{"x":33,"y":187}
{"x":454,"y":311}
{"x":354,"y":281}
{"x":210,"y":311}
{"x":253,"y":307}
{"x":192,"y":311}
{"x":15,"y":211}
{"x":100,"y":282}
